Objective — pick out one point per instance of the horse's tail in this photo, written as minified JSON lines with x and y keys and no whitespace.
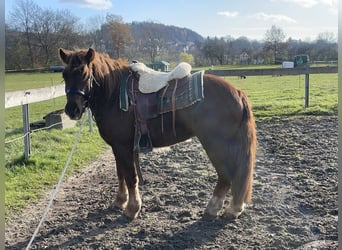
{"x":243,"y":179}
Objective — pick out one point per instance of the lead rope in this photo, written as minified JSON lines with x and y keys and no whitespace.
{"x":53,"y":196}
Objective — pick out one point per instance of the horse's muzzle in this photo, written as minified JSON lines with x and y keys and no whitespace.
{"x":74,"y":111}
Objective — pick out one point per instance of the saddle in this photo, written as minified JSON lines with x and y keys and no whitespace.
{"x":151,"y":81}
{"x":164,"y":96}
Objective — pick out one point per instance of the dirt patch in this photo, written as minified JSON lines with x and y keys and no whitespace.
{"x":294,"y":199}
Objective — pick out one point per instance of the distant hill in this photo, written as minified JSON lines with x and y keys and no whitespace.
{"x":154,"y":41}
{"x":142,"y":31}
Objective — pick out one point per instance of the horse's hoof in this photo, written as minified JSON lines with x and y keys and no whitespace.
{"x":208,"y":217}
{"x":229,"y":216}
{"x":211,"y":212}
{"x":130,"y":215}
{"x":233,"y":213}
{"x":214,"y":206}
{"x":120,"y":204}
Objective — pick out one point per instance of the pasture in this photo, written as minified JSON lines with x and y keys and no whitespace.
{"x":20,"y":81}
{"x":284,"y":95}
{"x":284,"y":131}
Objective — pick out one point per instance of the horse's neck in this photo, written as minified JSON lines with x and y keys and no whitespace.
{"x":100,"y":102}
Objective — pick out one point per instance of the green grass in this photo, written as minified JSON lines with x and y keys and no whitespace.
{"x":284,"y":95}
{"x":13,"y":116}
{"x":22,"y":81}
{"x":25,"y":180}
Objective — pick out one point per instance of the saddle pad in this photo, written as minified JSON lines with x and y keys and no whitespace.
{"x":151,"y":81}
{"x":177,"y":94}
{"x":181,"y":93}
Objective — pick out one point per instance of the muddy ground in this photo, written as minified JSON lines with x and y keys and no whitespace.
{"x":294,"y":200}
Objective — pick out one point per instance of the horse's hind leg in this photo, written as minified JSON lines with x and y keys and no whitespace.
{"x":217,"y":200}
{"x":241,"y":190}
{"x":235,"y":207}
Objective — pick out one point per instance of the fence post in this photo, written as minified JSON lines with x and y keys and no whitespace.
{"x":90,"y":120}
{"x":307,"y":86}
{"x":26,"y":126}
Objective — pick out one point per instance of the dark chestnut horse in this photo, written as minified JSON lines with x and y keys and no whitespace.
{"x":223,"y":122}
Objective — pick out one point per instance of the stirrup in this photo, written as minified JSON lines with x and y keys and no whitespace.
{"x":145,"y":144}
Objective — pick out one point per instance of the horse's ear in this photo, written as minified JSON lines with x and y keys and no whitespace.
{"x":64,"y":55}
{"x":90,"y":55}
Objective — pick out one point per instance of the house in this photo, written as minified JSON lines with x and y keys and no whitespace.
{"x":159,"y":66}
{"x":244,"y":58}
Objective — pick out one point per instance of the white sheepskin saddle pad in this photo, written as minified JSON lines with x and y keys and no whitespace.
{"x":151,"y":81}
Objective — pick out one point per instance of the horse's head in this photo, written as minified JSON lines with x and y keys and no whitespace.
{"x":78,"y":80}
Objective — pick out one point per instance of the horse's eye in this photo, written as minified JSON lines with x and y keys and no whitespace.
{"x":83,"y":72}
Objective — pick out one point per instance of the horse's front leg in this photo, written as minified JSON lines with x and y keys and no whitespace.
{"x":128,"y":184}
{"x":134,"y":202}
{"x":122,"y":195}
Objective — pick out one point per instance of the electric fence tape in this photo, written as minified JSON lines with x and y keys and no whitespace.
{"x":53,"y":196}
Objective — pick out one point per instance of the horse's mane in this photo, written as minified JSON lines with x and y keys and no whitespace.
{"x":106,"y":71}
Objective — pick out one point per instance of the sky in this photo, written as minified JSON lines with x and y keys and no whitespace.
{"x":299,"y":19}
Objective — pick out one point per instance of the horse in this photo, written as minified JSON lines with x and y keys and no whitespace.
{"x":223,"y":122}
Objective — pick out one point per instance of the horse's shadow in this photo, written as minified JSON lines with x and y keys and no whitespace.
{"x":191,"y":236}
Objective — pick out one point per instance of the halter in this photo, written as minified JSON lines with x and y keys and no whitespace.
{"x":77,"y":92}
{"x":82,"y":93}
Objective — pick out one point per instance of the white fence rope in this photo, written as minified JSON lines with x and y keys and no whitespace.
{"x":17,"y":138}
{"x":45,"y":128}
{"x":32,"y":131}
{"x":53,"y":196}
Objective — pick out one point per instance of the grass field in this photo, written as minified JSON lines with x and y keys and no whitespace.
{"x":22,"y":81}
{"x":25,"y":180}
{"x":284,"y":95}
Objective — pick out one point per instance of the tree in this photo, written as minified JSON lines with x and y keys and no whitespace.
{"x":325,"y":47}
{"x":94,"y":35}
{"x":215,"y":50}
{"x":240,"y":46}
{"x":37,"y":33}
{"x":185,"y":57}
{"x":152,"y":39}
{"x":22,"y":19}
{"x":274,"y":38}
{"x":119,"y":32}
{"x":326,"y":37}
{"x":51,"y":30}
